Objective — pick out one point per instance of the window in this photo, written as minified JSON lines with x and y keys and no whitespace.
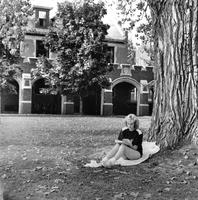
{"x":42,"y":18}
{"x":41,"y":50}
{"x":110,"y":54}
{"x":41,"y":14}
{"x":144,"y":86}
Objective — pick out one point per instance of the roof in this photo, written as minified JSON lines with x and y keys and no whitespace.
{"x":42,"y":7}
{"x":115,"y":32}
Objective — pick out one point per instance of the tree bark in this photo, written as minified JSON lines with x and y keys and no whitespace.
{"x":174,"y":115}
{"x":0,"y":99}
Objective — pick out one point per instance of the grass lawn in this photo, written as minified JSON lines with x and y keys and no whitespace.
{"x":43,"y":157}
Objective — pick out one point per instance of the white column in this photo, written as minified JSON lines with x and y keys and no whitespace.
{"x":102,"y":102}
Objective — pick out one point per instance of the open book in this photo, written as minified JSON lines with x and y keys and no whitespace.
{"x":126,"y":142}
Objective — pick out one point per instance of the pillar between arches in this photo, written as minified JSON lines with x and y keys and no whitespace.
{"x":144,"y":104}
{"x":106,"y":102}
{"x":25,"y":94}
{"x":67,"y":105}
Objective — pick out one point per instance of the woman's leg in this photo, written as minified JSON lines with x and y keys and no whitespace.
{"x":112,"y":152}
{"x":117,"y":155}
{"x":131,"y":154}
{"x":121,"y":152}
{"x":124,"y":152}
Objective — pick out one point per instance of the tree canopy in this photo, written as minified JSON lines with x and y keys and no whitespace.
{"x":77,"y":36}
{"x":13,"y":21}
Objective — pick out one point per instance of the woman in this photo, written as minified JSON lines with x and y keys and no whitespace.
{"x":129,"y":143}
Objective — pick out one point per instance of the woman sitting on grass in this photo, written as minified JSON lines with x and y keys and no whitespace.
{"x":128,"y":145}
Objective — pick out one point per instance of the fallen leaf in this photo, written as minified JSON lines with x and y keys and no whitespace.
{"x":147,"y":196}
{"x":173,"y":178}
{"x":4,"y":176}
{"x":192,"y":164}
{"x":184,"y":182}
{"x":37,"y":168}
{"x":119,"y":196}
{"x":188,"y":173}
{"x":46,"y":193}
{"x":134,"y":194}
{"x":167,"y":189}
{"x":186,"y":157}
{"x":59,"y":181}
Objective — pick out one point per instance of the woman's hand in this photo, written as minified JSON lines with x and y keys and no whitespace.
{"x":118,"y":141}
{"x":127,"y":142}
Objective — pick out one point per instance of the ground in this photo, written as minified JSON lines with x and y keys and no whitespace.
{"x":43,"y":157}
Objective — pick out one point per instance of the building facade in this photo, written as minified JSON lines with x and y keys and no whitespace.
{"x":128,"y":93}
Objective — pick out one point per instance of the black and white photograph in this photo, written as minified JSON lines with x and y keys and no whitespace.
{"x":98,"y":99}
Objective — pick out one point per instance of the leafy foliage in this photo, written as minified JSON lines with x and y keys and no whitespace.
{"x":77,"y":36}
{"x":136,"y":12}
{"x":13,"y":20}
{"x":135,"y":15}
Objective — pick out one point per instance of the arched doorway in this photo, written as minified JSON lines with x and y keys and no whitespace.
{"x":10,"y":97}
{"x":91,"y":103}
{"x":76,"y":100}
{"x":44,"y":102}
{"x":124,"y":99}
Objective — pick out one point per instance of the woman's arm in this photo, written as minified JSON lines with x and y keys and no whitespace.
{"x":118,"y":141}
{"x":127,"y":142}
{"x":134,"y":147}
{"x":120,"y":137}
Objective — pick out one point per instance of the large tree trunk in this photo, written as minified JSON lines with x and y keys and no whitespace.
{"x":175,"y":98}
{"x":0,"y":99}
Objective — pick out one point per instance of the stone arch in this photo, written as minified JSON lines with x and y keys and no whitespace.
{"x":36,"y":79}
{"x":10,"y":97}
{"x":126,"y":79}
{"x":128,"y":84}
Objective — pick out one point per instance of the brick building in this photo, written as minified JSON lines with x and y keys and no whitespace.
{"x":128,"y":92}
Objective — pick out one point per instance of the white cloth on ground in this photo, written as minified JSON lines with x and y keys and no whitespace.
{"x":149,"y":148}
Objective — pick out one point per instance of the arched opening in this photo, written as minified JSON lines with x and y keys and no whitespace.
{"x":10,"y":97}
{"x":124,"y":99}
{"x":44,"y":102}
{"x":91,"y":102}
{"x":76,"y":100}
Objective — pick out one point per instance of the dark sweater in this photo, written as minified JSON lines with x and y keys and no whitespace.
{"x":136,"y":136}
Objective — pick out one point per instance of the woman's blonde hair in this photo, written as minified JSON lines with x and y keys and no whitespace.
{"x":133,"y":118}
